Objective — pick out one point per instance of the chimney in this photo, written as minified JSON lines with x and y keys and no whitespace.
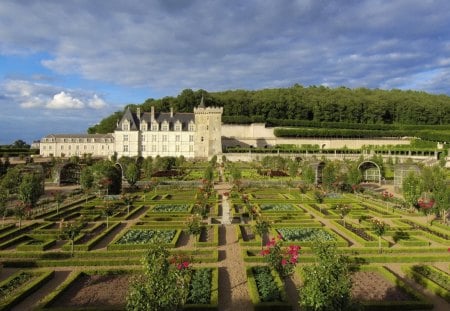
{"x":171,"y":112}
{"x":138,"y":113}
{"x":152,"y":114}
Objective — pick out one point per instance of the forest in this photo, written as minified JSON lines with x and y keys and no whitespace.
{"x":313,"y":106}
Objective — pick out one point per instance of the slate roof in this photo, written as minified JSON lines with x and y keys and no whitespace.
{"x":183,"y":117}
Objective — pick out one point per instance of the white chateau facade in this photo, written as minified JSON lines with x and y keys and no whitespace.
{"x":193,"y":135}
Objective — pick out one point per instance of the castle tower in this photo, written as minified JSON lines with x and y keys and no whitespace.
{"x":208,"y":123}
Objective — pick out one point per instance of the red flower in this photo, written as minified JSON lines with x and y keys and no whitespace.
{"x":283,"y":262}
{"x":448,"y":249}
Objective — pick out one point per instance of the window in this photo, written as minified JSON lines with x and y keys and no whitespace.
{"x":177,"y":138}
{"x":125,"y":148}
{"x":164,"y":138}
{"x":191,"y":127}
{"x":125,"y":126}
{"x":153,"y":148}
{"x":177,"y":148}
{"x":49,"y":147}
{"x":62,"y":147}
{"x":191,"y":148}
{"x":84,"y":147}
{"x":103,"y":147}
{"x":143,"y":137}
{"x":70,"y":147}
{"x":125,"y":137}
{"x":143,"y":126}
{"x":164,"y":148}
{"x":143,"y":148}
{"x":178,"y":127}
{"x":201,"y":139}
{"x":155,"y":126}
{"x":165,"y":127}
{"x":153,"y":137}
{"x":191,"y":137}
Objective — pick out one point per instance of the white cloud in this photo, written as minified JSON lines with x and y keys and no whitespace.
{"x":64,"y":101}
{"x":96,"y":102}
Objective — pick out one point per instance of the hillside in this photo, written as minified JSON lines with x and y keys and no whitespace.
{"x":325,"y":107}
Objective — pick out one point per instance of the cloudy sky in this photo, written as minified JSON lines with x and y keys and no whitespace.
{"x":64,"y":65}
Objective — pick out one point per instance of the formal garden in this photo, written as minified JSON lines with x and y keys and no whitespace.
{"x":168,"y":234}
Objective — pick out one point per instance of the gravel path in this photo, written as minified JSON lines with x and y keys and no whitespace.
{"x":232,"y":276}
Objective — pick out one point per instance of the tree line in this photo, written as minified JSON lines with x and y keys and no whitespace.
{"x":316,"y":104}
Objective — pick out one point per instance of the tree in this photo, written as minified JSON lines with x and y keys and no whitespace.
{"x":379,"y":227}
{"x":11,"y":180}
{"x":163,"y":286}
{"x":20,"y":144}
{"x":262,"y":227}
{"x":59,"y":198}
{"x":343,"y":210}
{"x":108,"y":211}
{"x":132,"y":173}
{"x":354,"y":176}
{"x":308,"y":174}
{"x":411,"y":187}
{"x":30,"y":189}
{"x":70,"y":230}
{"x":128,"y":200}
{"x":20,"y":212}
{"x":208,"y":174}
{"x":86,"y":180}
{"x":327,"y":283}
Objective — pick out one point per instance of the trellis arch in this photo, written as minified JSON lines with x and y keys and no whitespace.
{"x":370,"y":171}
{"x":318,"y":171}
{"x":68,"y":173}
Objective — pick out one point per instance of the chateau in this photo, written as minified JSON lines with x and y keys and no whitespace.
{"x":193,"y":135}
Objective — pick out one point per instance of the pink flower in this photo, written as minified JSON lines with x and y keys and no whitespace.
{"x":271,"y":243}
{"x":265,"y":252}
{"x":448,"y":249}
{"x":283,"y":262}
{"x":294,"y":259}
{"x":185,"y":264}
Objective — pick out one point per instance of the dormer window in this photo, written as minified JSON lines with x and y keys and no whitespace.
{"x":178,"y":126}
{"x":165,"y":126}
{"x":143,"y":126}
{"x":126,"y":125}
{"x":154,"y":126}
{"x":191,"y":127}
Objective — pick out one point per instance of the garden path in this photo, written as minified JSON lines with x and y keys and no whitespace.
{"x":233,"y":289}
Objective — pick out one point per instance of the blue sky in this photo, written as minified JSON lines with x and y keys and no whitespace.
{"x":64,"y":65}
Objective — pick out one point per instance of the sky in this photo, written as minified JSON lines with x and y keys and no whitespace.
{"x":65,"y":65}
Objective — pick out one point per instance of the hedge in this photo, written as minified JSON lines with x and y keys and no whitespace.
{"x":428,"y":283}
{"x":267,"y":306}
{"x":214,"y":300}
{"x":27,"y":289}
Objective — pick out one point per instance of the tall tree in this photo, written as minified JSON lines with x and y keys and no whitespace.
{"x":411,"y":188}
{"x":86,"y":180}
{"x":30,"y":189}
{"x":132,"y":174}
